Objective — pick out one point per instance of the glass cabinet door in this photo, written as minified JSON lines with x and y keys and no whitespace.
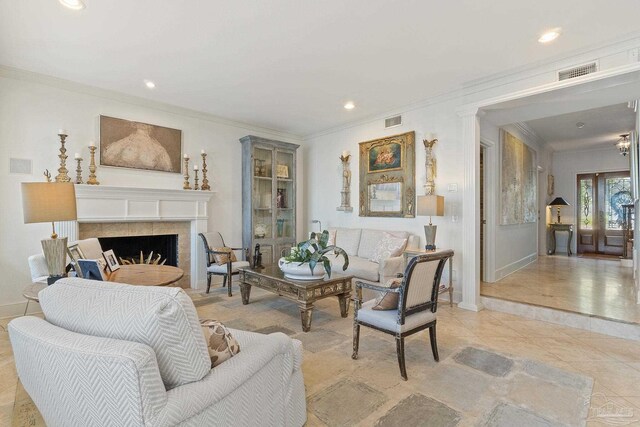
{"x":262,"y":193}
{"x":285,"y":195}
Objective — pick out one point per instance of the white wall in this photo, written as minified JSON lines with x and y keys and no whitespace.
{"x":567,"y":165}
{"x":516,"y":245}
{"x":438,"y":117}
{"x":30,"y":115}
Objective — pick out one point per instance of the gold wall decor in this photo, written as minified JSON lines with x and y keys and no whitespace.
{"x":388,"y":177}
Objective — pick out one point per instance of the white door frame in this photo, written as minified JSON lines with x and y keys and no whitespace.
{"x":471,"y":161}
{"x":490,"y":211}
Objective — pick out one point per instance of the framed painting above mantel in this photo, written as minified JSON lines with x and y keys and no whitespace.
{"x":387,"y":176}
{"x":135,"y":145}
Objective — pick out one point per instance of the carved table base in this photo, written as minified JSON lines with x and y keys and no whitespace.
{"x":304,"y":293}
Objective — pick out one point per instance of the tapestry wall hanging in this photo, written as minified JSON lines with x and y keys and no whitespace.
{"x":518,"y":181}
{"x":387,"y":176}
{"x":135,"y":145}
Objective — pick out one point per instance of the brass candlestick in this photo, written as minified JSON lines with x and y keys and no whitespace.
{"x":205,"y":181}
{"x":62,"y":170}
{"x":185,"y":185}
{"x":92,"y":166}
{"x":195,"y":180}
{"x":79,"y":171}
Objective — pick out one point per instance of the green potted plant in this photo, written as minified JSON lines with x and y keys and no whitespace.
{"x":301,"y":263}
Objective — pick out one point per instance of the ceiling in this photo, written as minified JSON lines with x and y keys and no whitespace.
{"x":290,"y":65}
{"x":602,"y":127}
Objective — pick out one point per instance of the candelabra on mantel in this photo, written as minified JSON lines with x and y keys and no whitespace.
{"x":430,"y":166}
{"x":205,"y":182}
{"x":78,"y":169}
{"x":195,"y":179}
{"x":186,"y":185}
{"x":92,"y":165}
{"x":63,"y":175}
{"x":345,"y":204}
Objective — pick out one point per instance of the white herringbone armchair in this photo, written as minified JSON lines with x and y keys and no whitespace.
{"x":120,"y":355}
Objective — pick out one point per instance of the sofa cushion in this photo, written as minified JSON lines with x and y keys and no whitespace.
{"x":362,"y":269}
{"x":161,"y":317}
{"x":348,"y":239}
{"x":368,"y":241}
{"x":220,"y":343}
{"x":388,"y":319}
{"x":387,"y":247}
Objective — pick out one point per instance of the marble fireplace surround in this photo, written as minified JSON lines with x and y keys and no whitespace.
{"x":105,"y":211}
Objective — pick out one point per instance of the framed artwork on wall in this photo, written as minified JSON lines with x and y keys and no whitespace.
{"x":387,"y":176}
{"x":518,"y":178}
{"x":135,"y":145}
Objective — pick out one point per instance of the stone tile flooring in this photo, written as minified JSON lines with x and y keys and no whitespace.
{"x":496,"y":369}
{"x":596,"y":287}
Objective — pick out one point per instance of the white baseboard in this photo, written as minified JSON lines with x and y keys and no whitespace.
{"x":503,"y":272}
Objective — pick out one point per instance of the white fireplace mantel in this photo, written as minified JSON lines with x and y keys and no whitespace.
{"x":101,"y":203}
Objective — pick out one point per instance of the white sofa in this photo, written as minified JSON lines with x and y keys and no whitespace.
{"x":112,"y":354}
{"x":360,"y":243}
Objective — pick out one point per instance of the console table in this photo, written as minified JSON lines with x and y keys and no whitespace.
{"x":553,"y":228}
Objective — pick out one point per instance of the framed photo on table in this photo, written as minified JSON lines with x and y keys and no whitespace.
{"x":112,"y":261}
{"x":75,"y":253}
{"x":91,"y":269}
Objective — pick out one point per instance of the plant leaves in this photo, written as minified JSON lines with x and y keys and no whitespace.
{"x":327,"y":266}
{"x":324,"y":239}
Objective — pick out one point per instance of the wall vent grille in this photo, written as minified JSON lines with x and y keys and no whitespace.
{"x":392,"y":122}
{"x":580,"y":70}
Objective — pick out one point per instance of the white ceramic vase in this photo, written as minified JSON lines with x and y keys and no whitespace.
{"x":296,"y":271}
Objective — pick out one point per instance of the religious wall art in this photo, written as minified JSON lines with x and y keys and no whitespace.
{"x":135,"y":145}
{"x":518,"y":181}
{"x":387,"y":176}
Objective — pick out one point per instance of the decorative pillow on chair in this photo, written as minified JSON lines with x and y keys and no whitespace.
{"x":220,"y":343}
{"x":222,"y":259}
{"x":389,"y":246}
{"x":388,"y":300}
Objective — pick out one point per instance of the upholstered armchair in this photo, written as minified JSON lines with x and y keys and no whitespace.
{"x":110,"y":354}
{"x":90,"y":247}
{"x":214,"y":245}
{"x":38,"y":268}
{"x":414,"y":311}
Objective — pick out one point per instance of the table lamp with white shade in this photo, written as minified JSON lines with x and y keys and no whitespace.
{"x":50,"y":202}
{"x":430,"y":205}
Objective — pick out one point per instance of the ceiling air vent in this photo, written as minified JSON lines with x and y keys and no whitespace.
{"x":580,"y":70}
{"x":392,"y":122}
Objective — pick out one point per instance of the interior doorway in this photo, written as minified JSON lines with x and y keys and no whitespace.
{"x":483,"y":220}
{"x":601,"y":197}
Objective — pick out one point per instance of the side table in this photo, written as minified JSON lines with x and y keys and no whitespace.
{"x":410,"y":253}
{"x":553,"y":228}
{"x":31,"y":293}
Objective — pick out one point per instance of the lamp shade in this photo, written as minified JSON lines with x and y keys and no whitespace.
{"x":430,"y":205}
{"x":48,"y":202}
{"x":558,"y":201}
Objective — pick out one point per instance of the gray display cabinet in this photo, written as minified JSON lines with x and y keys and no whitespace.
{"x":268,"y":196}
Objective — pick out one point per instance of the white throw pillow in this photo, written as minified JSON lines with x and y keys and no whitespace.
{"x":389,"y":246}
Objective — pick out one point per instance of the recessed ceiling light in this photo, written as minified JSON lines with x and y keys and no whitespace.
{"x":580,"y":125}
{"x":73,"y":4}
{"x":549,"y":36}
{"x":149,"y":84}
{"x":349,"y":106}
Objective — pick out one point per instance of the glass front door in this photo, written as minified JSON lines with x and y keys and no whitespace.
{"x":601,"y":197}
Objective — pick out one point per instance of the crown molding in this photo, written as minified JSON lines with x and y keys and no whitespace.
{"x":33,"y":77}
{"x":532,"y":134}
{"x":611,"y":47}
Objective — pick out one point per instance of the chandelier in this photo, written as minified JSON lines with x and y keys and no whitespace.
{"x":623,"y":144}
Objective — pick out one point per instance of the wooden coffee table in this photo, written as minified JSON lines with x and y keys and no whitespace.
{"x":304,"y":293}
{"x":146,"y":275}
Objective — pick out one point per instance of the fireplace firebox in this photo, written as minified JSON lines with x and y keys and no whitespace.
{"x":130,"y":247}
